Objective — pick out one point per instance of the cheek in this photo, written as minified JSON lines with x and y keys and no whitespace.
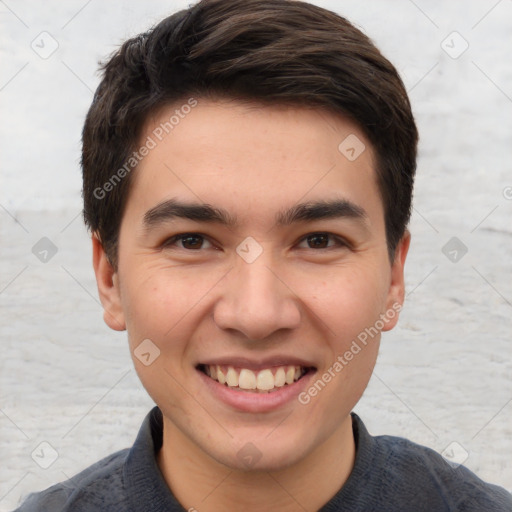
{"x":347,"y":301}
{"x":159,"y":306}
{"x":151,"y":302}
{"x":161,"y":302}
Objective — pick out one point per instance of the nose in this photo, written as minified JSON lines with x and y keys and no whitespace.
{"x":256,"y":301}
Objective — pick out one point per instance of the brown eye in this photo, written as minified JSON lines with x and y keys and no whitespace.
{"x":192,"y":241}
{"x":321,"y":241}
{"x":318,"y":241}
{"x":189,"y":241}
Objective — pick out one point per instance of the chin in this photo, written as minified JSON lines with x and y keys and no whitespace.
{"x":261,"y":455}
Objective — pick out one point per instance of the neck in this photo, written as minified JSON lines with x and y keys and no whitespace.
{"x":200,"y":482}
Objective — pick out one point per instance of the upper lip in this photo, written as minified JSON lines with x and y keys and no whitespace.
{"x":257,"y":364}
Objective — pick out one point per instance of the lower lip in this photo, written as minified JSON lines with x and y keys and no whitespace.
{"x":256,"y":402}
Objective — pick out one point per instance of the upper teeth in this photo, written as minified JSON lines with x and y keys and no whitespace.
{"x":264,"y":380}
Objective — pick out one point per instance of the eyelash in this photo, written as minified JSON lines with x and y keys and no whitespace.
{"x":340,"y":242}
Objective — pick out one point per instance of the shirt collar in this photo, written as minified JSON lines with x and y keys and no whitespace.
{"x":144,"y":481}
{"x":149,"y":492}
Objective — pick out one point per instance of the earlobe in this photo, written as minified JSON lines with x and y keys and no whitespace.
{"x":396,"y":292}
{"x":108,"y":287}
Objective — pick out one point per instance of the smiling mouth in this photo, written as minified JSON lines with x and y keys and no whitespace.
{"x":267,"y":380}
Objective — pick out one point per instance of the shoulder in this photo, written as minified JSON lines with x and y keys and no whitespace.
{"x":127,"y":480}
{"x":98,"y":487}
{"x":393,"y":474}
{"x":420,"y":472}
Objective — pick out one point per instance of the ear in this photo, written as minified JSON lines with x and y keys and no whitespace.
{"x":396,"y":292}
{"x":108,"y":287}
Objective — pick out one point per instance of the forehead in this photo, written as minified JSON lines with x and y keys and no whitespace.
{"x":248,"y":157}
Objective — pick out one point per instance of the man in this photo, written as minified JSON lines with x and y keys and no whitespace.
{"x":248,"y":170}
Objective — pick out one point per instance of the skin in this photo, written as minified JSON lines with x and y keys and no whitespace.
{"x":297,"y":298}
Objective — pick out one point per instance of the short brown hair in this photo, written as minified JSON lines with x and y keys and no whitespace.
{"x":267,"y":51}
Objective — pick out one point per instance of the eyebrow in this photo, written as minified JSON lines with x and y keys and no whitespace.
{"x":302,"y":212}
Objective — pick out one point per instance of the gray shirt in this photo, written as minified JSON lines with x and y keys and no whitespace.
{"x":390,"y":474}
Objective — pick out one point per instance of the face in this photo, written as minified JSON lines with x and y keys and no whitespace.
{"x":253,"y":251}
